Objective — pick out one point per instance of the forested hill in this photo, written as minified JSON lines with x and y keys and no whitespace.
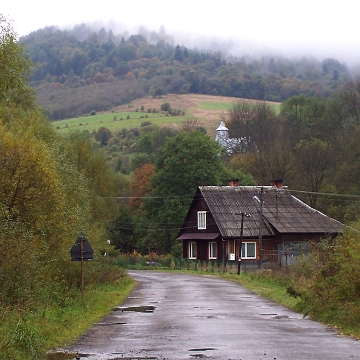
{"x":80,"y":70}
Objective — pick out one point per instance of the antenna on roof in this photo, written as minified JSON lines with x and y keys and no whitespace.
{"x":256,"y":198}
{"x":260,"y":201}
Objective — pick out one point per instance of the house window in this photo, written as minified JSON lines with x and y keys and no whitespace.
{"x":248,"y":250}
{"x":201,"y":219}
{"x":212,"y":250}
{"x":296,"y":248}
{"x":192,"y":250}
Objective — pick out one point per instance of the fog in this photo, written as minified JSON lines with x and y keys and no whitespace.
{"x":307,"y":28}
{"x":347,"y":52}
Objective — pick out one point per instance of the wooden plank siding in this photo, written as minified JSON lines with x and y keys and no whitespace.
{"x":281,"y":221}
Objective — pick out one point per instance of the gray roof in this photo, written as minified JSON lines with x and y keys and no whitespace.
{"x":282,"y":212}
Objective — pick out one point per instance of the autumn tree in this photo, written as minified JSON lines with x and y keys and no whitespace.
{"x":274,"y":161}
{"x":238,"y":119}
{"x":186,"y":161}
{"x":103,"y":136}
{"x":151,"y":138}
{"x":121,"y":231}
{"x":140,"y":185}
{"x":15,"y":93}
{"x":52,"y":190}
{"x":304,"y":118}
{"x":256,"y":123}
{"x":316,"y":164}
{"x":102,"y":181}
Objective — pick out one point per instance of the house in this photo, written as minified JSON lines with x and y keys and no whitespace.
{"x":267,"y":223}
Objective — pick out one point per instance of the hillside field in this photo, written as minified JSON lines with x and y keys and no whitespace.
{"x":208,"y":110}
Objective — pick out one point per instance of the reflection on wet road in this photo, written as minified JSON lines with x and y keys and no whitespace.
{"x":181,"y":316}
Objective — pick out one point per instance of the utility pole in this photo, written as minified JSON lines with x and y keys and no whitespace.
{"x":241,"y":238}
{"x":261,"y":226}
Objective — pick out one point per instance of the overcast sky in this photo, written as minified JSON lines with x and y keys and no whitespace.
{"x":317,"y":27}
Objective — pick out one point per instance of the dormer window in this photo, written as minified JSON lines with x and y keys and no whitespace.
{"x":201,"y":219}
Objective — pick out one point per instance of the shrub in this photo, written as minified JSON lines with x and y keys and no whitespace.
{"x":166,"y":107}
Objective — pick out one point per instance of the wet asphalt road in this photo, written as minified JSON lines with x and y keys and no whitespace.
{"x":180,"y":316}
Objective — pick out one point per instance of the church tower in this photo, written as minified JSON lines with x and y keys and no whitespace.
{"x":222,"y":135}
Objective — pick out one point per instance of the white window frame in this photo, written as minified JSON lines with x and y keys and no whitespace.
{"x":244,"y":250}
{"x":201,"y":217}
{"x":192,"y":250}
{"x":212,"y":250}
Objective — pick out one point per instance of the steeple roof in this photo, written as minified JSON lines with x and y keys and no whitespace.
{"x":222,"y":127}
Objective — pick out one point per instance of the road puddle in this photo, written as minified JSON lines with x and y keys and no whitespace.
{"x":109,"y":323}
{"x":65,"y":356}
{"x":200,"y":350}
{"x":144,"y":309}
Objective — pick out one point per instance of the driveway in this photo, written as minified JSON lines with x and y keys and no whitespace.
{"x":183,"y":316}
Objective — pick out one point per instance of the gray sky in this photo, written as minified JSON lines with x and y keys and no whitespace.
{"x":319,"y":28}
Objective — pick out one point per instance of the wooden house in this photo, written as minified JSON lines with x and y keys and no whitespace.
{"x":254,"y":224}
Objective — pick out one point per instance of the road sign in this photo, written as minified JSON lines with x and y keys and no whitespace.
{"x":82,"y":250}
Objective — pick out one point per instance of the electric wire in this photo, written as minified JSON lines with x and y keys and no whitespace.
{"x":169,"y":227}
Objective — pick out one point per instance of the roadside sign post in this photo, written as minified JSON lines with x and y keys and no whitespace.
{"x":82,"y":251}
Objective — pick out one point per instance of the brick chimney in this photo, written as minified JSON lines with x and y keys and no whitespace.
{"x":234,"y":182}
{"x":278,"y":183}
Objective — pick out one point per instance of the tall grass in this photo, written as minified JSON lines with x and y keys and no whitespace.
{"x":26,"y":334}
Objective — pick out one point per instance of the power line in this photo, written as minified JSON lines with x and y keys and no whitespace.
{"x":154,"y":227}
{"x":153,"y":197}
{"x":191,"y":196}
{"x":326,"y":194}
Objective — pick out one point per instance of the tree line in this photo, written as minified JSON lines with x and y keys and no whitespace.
{"x":79,"y":70}
{"x":52,"y":190}
{"x":311,"y":145}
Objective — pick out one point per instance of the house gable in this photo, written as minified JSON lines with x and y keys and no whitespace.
{"x":190,"y":225}
{"x":273,"y":217}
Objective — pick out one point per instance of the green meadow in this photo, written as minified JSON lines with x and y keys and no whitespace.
{"x":115,"y":121}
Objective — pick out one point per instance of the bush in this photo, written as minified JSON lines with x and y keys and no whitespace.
{"x":165,"y":107}
{"x":328,"y":282}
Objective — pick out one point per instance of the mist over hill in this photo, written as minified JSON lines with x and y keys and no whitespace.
{"x":82,"y":69}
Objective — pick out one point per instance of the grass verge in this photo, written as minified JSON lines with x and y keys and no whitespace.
{"x":29,"y":335}
{"x":266,"y":287}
